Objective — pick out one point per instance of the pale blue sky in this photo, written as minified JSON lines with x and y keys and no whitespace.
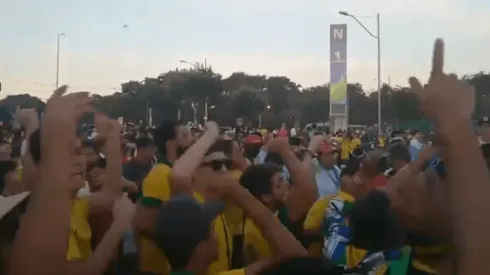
{"x":273,"y":37}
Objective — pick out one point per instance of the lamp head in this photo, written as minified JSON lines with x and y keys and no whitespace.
{"x":344,"y":13}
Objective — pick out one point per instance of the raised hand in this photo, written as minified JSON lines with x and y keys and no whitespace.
{"x":315,"y":143}
{"x":58,"y":134}
{"x":278,"y":145}
{"x":27,"y":117}
{"x":64,"y":111}
{"x":102,"y":125}
{"x":444,"y":99}
{"x":212,"y":128}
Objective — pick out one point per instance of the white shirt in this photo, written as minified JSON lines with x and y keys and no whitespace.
{"x":85,"y":191}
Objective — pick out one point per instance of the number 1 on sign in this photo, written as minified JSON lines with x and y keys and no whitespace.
{"x":338,"y":59}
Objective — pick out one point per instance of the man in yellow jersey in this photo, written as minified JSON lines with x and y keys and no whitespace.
{"x":355,"y":141}
{"x":190,"y":244}
{"x":290,"y":202}
{"x":185,"y":232}
{"x":214,"y":163}
{"x":345,"y":142}
{"x":169,"y":138}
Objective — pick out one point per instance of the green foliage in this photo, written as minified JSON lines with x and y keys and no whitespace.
{"x":276,"y":98}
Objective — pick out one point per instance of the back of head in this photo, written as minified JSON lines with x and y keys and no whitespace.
{"x":257,"y":178}
{"x":181,"y":225}
{"x":373,"y":226}
{"x":143,"y":142}
{"x":370,"y":163}
{"x":399,"y":152}
{"x":163,"y":133}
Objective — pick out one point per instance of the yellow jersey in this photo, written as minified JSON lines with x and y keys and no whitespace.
{"x":234,"y":214}
{"x":255,"y":245}
{"x":155,"y":190}
{"x":313,"y":223}
{"x":79,"y":246}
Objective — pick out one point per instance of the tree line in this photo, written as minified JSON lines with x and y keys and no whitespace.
{"x":271,"y":100}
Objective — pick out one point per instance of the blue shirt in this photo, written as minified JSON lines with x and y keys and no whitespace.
{"x":327,"y":180}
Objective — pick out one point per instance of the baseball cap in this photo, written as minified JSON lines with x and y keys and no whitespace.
{"x":253,"y":139}
{"x":184,"y":222}
{"x":10,"y":202}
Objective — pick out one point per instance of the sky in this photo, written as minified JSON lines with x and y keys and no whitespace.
{"x":272,"y":37}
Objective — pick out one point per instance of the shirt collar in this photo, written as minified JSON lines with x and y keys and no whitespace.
{"x":162,"y":159}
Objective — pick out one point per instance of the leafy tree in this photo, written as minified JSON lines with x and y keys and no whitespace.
{"x":276,"y":99}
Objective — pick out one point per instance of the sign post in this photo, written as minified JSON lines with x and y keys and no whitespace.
{"x":338,"y":77}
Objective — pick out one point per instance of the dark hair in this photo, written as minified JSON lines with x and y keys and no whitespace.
{"x":35,"y":146}
{"x":303,"y":265}
{"x":398,"y":151}
{"x":351,"y":167}
{"x":6,"y":166}
{"x":250,"y":151}
{"x":373,"y":226}
{"x":257,"y":178}
{"x":143,"y":142}
{"x":274,"y":158}
{"x":163,"y":133}
{"x":178,"y":254}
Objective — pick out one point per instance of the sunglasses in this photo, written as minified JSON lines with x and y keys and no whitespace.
{"x":217,"y":165}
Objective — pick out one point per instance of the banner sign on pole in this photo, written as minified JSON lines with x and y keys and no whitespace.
{"x":338,"y":70}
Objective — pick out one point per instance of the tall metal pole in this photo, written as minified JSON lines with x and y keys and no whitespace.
{"x":147,"y":111}
{"x":378,"y":38}
{"x":58,"y":60}
{"x":206,"y":110}
{"x":380,"y":127}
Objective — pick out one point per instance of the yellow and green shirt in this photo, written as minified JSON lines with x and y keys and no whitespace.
{"x":155,"y":190}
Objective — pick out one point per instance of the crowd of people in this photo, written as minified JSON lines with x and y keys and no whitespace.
{"x":201,"y":202}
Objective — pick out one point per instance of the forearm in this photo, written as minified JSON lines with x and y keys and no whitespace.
{"x":114,"y":186}
{"x":304,"y":190}
{"x":105,"y":251}
{"x":465,"y":163}
{"x":48,"y":216}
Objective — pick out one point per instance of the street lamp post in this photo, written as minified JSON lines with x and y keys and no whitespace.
{"x":260,"y":116}
{"x":195,"y":65}
{"x":378,"y":38}
{"x":61,"y":34}
{"x":198,"y":66}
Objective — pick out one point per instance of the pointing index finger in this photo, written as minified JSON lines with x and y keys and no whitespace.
{"x":438,"y":57}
